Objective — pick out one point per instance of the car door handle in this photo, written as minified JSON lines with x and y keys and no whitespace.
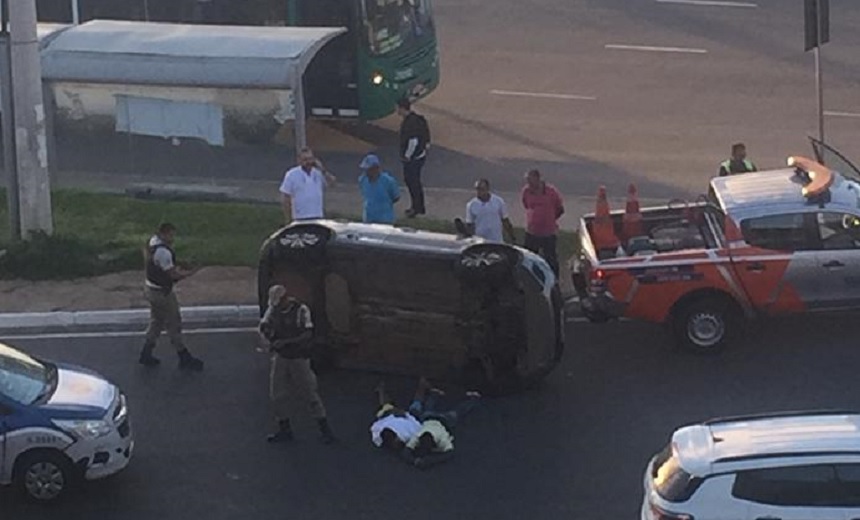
{"x":755,"y":267}
{"x":833,"y":264}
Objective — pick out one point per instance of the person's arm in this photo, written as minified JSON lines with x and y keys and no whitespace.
{"x":164,"y":260}
{"x":509,"y":230}
{"x":411,"y":146}
{"x":329,"y":177}
{"x":723,"y":171}
{"x":470,"y":220}
{"x":559,"y":204}
{"x":287,"y":206}
{"x":393,"y":189}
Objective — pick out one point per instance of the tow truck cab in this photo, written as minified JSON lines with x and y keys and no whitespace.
{"x":759,"y":244}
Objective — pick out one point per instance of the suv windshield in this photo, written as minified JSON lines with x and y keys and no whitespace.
{"x":22,"y":378}
{"x":392,"y":23}
{"x":670,"y":480}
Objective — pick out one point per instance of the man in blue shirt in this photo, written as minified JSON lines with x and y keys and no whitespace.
{"x":379,"y":190}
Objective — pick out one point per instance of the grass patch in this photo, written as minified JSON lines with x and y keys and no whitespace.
{"x":98,"y":233}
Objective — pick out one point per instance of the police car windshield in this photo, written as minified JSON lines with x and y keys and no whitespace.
{"x":22,"y":378}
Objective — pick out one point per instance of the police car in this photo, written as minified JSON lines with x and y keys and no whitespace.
{"x":58,"y":424}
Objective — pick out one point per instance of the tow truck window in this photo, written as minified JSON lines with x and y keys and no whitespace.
{"x":838,"y":230}
{"x":786,"y":232}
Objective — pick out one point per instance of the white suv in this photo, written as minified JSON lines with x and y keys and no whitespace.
{"x":788,"y":466}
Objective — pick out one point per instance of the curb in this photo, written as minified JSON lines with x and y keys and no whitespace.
{"x":130,"y":320}
{"x":124,"y":320}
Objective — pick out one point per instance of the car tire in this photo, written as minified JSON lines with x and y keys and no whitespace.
{"x":706,"y":325}
{"x":301,"y":244}
{"x":486,"y":264}
{"x":44,"y":476}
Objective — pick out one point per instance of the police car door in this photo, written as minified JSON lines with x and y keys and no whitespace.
{"x":834,"y":160}
{"x":838,"y":260}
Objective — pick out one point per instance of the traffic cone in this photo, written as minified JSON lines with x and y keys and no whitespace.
{"x":602,"y":229}
{"x":632,"y":220}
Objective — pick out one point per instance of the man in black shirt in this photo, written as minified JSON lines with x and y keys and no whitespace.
{"x":414,"y":142}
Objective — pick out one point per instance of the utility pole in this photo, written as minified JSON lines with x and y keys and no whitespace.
{"x":76,"y":13}
{"x":816,"y":34}
{"x":8,"y":122}
{"x":28,"y":111}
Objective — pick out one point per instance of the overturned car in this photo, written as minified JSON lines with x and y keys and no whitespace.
{"x":413,"y":302}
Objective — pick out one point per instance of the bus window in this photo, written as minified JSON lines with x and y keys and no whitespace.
{"x":391,"y":23}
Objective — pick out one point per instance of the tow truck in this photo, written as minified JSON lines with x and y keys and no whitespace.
{"x":777,"y":242}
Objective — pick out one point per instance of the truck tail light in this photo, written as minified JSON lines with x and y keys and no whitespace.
{"x":661,"y":514}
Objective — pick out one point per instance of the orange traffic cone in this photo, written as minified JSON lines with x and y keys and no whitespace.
{"x":602,"y":229}
{"x":632,"y":221}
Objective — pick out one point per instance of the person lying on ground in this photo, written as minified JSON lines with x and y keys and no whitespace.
{"x":393,"y":426}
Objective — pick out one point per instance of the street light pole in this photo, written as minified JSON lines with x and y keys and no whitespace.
{"x":819,"y":87}
{"x":76,"y":13}
{"x":28,"y":111}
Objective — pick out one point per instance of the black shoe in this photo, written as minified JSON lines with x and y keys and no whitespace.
{"x":146,"y":358}
{"x":284,"y":433}
{"x":410,"y":213}
{"x":326,"y":435}
{"x":189,"y":362}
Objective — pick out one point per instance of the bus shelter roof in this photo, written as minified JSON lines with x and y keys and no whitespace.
{"x":147,"y":53}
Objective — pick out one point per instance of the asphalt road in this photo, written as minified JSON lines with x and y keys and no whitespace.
{"x":543,"y":83}
{"x":573,"y":449}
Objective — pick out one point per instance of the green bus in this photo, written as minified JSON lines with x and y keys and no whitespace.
{"x":389,"y":52}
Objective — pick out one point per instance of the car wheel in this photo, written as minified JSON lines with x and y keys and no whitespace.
{"x":44,"y":476}
{"x":304,"y":244}
{"x":485,"y":264}
{"x":707,"y":325}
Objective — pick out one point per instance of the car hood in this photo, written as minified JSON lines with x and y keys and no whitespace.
{"x":81,"y":392}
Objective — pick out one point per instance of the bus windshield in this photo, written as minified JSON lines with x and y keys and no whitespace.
{"x":390,"y":24}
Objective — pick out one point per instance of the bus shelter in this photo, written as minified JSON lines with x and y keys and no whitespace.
{"x":179,"y":81}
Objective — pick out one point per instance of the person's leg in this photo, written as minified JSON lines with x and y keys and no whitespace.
{"x":173,"y":323}
{"x":418,"y":205}
{"x":550,"y":252}
{"x":306,"y":385}
{"x":156,"y":325}
{"x":410,"y":178}
{"x":279,"y":394}
{"x":418,"y":405}
{"x":532,"y":243}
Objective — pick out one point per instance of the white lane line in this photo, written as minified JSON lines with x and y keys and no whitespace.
{"x":649,"y":48}
{"x":841,"y":114}
{"x":545,"y":95}
{"x":121,"y":334}
{"x":710,"y":3}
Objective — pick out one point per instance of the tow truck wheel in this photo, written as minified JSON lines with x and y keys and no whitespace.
{"x":706,"y":325}
{"x":43,"y":476}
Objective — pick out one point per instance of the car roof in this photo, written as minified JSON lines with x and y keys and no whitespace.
{"x":777,"y":191}
{"x":714,"y":446}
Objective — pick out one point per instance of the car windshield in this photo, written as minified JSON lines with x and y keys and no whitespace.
{"x":389,"y":24}
{"x":22,"y":378}
{"x":670,"y":480}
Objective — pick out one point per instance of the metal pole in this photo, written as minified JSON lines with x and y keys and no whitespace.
{"x":819,"y":87}
{"x":76,"y":13}
{"x":8,"y":123}
{"x":301,"y":137}
{"x":31,"y":153}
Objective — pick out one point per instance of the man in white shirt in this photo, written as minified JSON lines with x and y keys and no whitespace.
{"x":487,"y":215}
{"x":303,"y":188}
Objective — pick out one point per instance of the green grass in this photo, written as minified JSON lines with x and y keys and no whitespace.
{"x":99,"y":233}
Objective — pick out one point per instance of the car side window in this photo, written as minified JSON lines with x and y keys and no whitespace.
{"x":789,"y":486}
{"x":838,"y":230}
{"x":785,"y":232}
{"x":849,"y":479}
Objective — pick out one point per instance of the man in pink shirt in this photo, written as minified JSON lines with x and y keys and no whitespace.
{"x":544,"y":207}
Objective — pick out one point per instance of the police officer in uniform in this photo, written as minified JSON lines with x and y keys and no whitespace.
{"x":738,"y":163}
{"x":288,"y":329}
{"x":162,"y":273}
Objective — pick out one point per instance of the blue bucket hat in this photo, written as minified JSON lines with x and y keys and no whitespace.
{"x":370,"y":160}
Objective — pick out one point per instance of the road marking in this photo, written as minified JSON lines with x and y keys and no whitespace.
{"x":841,"y":114}
{"x":122,"y":334}
{"x":649,"y":48}
{"x":709,"y":3}
{"x":545,"y":95}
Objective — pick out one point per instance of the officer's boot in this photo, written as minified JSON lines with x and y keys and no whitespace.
{"x":326,"y":435}
{"x":189,"y":362}
{"x":284,"y":433}
{"x":146,"y":358}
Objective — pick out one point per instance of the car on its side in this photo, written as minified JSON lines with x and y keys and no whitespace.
{"x":59,"y":424}
{"x":789,"y":466}
{"x":397,"y":300}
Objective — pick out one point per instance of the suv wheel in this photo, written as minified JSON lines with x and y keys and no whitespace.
{"x":707,"y":325}
{"x":43,"y":476}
